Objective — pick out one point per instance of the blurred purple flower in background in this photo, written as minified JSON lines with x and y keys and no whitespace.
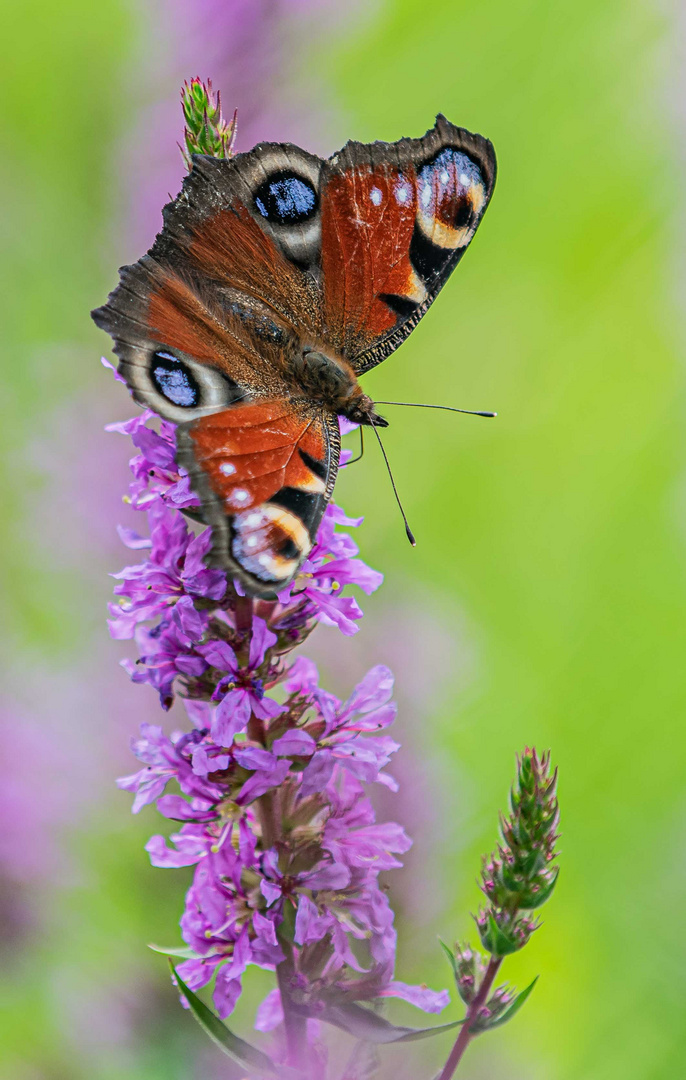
{"x":247,"y":47}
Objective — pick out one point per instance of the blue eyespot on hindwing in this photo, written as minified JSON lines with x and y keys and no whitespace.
{"x":174,"y":380}
{"x":286,"y":199}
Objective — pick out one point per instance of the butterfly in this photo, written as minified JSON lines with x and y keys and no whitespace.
{"x":277,"y":280}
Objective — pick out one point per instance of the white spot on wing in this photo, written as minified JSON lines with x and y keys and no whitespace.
{"x":376,"y":196}
{"x":443,"y":176}
{"x":464,"y":180}
{"x":426,"y":194}
{"x":238,"y":497}
{"x":227,"y":468}
{"x":402,"y":193}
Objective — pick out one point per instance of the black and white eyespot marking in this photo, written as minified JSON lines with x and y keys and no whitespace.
{"x":303,"y":504}
{"x":178,"y":387}
{"x":174,"y":380}
{"x":286,"y":199}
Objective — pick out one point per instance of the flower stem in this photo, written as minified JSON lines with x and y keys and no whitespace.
{"x":466,"y":1035}
{"x":244,"y":612}
{"x":294,"y":1023}
{"x":269,"y":819}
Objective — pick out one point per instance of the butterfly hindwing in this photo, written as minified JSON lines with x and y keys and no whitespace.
{"x":264,"y":472}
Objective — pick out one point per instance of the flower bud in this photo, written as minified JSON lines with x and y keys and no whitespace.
{"x":206,"y":131}
{"x":520,"y":874}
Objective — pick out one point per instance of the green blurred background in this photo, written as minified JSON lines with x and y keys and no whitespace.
{"x":545,"y":600}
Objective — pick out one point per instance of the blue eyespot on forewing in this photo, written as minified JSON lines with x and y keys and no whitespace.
{"x":286,"y":199}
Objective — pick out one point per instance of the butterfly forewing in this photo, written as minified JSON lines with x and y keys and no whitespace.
{"x":396,"y":220}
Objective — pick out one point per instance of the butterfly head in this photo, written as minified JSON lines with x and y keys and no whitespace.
{"x":360,"y":410}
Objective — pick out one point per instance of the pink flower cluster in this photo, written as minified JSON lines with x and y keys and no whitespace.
{"x":268,"y":781}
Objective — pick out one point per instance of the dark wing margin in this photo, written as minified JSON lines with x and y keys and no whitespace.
{"x":396,"y":220}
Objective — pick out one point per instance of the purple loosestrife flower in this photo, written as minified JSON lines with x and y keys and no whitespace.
{"x":240,"y":693}
{"x":335,"y":733}
{"x":174,"y":572}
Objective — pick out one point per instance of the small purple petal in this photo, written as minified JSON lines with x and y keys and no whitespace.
{"x":188,"y":853}
{"x":132,"y":539}
{"x":295,"y":744}
{"x":191,"y":622}
{"x":337,"y":611}
{"x":270,"y":892}
{"x":431,"y":1001}
{"x":318,"y":773}
{"x":226,"y":993}
{"x":374,"y":690}
{"x":219,"y":654}
{"x":303,"y":677}
{"x":270,"y":1013}
{"x":231,"y":716}
{"x":266,"y":708}
{"x":310,"y":926}
{"x":255,"y":757}
{"x":261,"y":640}
{"x":197,"y":973}
{"x":261,"y":782}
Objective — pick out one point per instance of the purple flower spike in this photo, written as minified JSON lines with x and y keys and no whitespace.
{"x":267,"y":795}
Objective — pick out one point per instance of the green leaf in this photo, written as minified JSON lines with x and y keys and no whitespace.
{"x":183,"y":951}
{"x":514,"y":1007}
{"x":235,"y":1048}
{"x":370,"y":1027}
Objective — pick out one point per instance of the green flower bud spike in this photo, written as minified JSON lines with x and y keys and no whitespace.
{"x":516,"y":879}
{"x":206,"y":131}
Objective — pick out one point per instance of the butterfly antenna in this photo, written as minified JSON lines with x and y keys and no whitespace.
{"x":408,"y":530}
{"x":361,"y":453}
{"x":448,"y":408}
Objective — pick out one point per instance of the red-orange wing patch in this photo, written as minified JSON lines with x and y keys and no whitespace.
{"x":264,"y":473}
{"x":396,"y":219}
{"x":368,"y":217}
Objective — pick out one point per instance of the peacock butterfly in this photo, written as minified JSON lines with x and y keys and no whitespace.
{"x":278,"y":279}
